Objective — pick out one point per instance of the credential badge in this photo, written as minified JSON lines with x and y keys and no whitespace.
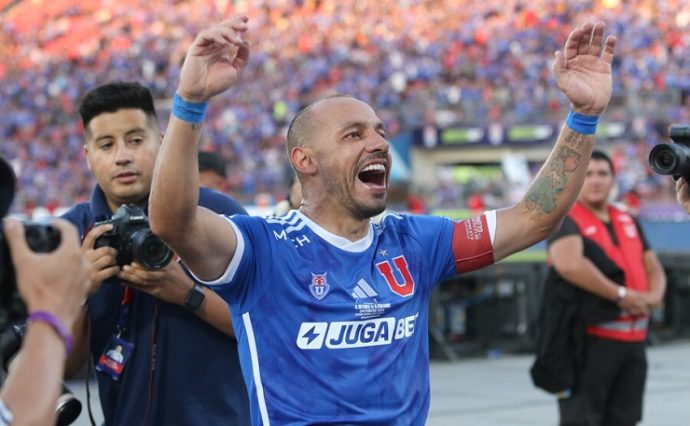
{"x":319,"y":285}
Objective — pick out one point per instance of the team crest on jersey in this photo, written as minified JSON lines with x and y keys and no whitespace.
{"x":319,"y":285}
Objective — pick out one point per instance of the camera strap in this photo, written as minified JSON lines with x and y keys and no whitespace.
{"x":127,"y":297}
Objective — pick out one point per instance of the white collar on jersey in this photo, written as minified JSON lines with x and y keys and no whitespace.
{"x":338,"y":241}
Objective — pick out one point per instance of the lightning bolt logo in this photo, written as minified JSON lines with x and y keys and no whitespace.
{"x":311,"y":335}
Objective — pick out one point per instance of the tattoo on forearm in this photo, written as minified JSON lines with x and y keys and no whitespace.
{"x":576,"y":140}
{"x":544,"y":192}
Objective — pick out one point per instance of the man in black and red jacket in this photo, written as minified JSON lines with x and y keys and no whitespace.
{"x":600,"y":261}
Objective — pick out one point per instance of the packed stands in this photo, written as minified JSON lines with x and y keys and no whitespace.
{"x":419,"y":62}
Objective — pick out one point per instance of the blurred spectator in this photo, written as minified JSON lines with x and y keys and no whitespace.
{"x":212,"y":171}
{"x":293,"y":201}
{"x":476,"y":204}
{"x":631,"y":200}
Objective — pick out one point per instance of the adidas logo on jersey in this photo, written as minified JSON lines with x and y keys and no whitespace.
{"x":355,"y":334}
{"x":363,"y":290}
{"x":367,"y":308}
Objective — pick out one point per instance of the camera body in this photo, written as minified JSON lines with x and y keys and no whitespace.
{"x":673,"y":159}
{"x":131,"y":236}
{"x":40,"y":237}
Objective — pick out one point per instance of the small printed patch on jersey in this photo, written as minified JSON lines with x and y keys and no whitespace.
{"x":319,"y":285}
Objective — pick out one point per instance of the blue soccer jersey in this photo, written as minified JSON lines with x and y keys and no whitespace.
{"x":332,"y":331}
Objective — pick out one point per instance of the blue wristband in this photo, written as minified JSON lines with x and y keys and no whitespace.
{"x":585,"y":124}
{"x":190,"y":112}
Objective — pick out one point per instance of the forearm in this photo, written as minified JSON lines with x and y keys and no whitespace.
{"x":554,"y":189}
{"x":80,"y":352}
{"x":549,"y":197}
{"x":585,"y":275}
{"x":175,"y":188}
{"x":37,"y":372}
{"x":656,"y":278}
{"x":176,"y":287}
{"x":215,"y":312}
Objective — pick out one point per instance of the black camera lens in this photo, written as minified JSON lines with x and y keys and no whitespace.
{"x":670,"y":159}
{"x":68,"y":408}
{"x":41,"y":238}
{"x":150,"y":250}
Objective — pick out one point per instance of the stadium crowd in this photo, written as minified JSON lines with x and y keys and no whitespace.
{"x":416,"y":61}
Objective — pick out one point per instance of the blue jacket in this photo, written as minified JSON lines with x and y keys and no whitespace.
{"x":196,"y":379}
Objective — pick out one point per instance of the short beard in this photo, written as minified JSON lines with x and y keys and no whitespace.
{"x":364,"y":212}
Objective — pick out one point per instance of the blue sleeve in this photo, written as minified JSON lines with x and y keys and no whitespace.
{"x":219,"y":202}
{"x":434,"y":235}
{"x":437,"y":236}
{"x":232,"y":285}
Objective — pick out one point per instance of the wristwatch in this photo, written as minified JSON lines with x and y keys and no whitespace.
{"x":195,"y":297}
{"x":622,"y":292}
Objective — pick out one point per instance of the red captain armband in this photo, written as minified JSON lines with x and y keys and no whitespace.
{"x":472,"y":244}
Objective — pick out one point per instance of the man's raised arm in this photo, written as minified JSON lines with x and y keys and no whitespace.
{"x":204,"y":240}
{"x":583,"y":73}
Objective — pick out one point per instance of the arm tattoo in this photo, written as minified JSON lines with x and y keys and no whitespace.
{"x":543,"y":194}
{"x":576,"y":140}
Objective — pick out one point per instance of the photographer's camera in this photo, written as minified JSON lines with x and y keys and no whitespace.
{"x":41,"y":238}
{"x":674,"y":158}
{"x":133,"y":239}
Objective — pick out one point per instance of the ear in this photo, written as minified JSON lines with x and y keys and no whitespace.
{"x":86,"y":154}
{"x":303,"y":160}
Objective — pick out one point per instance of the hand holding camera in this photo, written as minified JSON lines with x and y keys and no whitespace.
{"x":41,"y":288}
{"x":683,"y":194}
{"x":121,"y":240}
{"x":131,"y":236}
{"x":170,"y":284}
{"x":102,"y":260}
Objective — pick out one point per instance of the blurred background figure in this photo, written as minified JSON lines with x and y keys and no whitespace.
{"x":212,"y":171}
{"x":604,"y":280}
{"x":293,"y":199}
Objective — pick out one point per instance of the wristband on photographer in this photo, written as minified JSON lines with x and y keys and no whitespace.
{"x":56,"y":324}
{"x":191,"y":112}
{"x":585,"y":124}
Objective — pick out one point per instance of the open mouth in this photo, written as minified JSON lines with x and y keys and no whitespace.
{"x":373,"y":174}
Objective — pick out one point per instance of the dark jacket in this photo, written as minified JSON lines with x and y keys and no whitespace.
{"x":196,"y":379}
